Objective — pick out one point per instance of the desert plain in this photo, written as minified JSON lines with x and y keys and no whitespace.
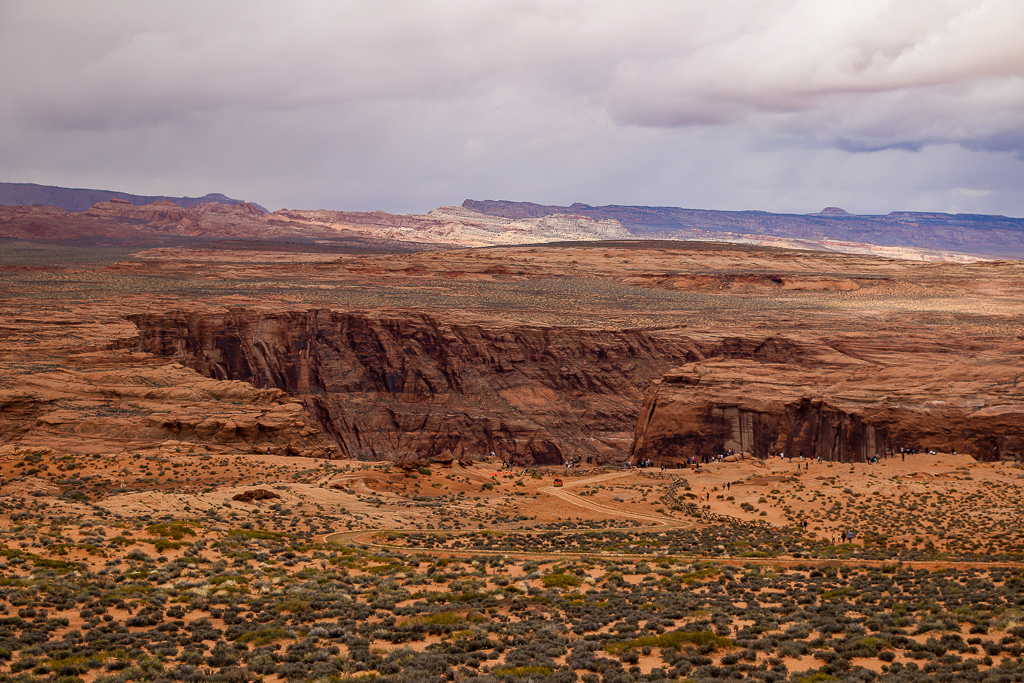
{"x":246,"y":461}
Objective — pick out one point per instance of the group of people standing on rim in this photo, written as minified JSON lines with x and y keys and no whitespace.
{"x":884,"y":455}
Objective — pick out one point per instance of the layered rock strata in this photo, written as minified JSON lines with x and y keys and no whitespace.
{"x":68,"y":383}
{"x":877,"y":397}
{"x":402,"y":385}
{"x":405,"y":386}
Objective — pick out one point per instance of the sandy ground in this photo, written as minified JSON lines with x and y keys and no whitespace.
{"x":103,"y":495}
{"x":830,"y":497}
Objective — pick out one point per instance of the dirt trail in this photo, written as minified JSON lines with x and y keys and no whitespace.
{"x":366,"y":537}
{"x":561,"y":492}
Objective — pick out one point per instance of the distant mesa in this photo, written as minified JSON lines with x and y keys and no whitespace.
{"x":899,"y":234}
{"x":54,"y":214}
{"x":78,"y":199}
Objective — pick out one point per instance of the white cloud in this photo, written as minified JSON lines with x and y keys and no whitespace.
{"x":405,"y":105}
{"x":884,"y":73}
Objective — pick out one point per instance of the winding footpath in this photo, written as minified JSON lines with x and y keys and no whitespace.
{"x":370,"y":538}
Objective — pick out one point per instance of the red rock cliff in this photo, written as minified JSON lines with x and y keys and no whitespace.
{"x":841,"y":407}
{"x":405,"y":385}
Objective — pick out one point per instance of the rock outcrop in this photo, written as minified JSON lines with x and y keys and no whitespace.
{"x":400,"y":385}
{"x":404,"y":386}
{"x":255,"y":495}
{"x":872,"y":398}
{"x":67,"y":383}
{"x":102,"y":410}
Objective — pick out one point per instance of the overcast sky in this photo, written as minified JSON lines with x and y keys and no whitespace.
{"x":781,"y":105}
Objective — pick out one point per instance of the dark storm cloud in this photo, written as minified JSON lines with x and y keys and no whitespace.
{"x":409,"y":105}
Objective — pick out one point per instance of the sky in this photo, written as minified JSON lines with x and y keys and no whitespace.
{"x":777,"y":105}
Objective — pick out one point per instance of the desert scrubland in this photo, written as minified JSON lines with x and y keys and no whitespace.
{"x":248,"y":462}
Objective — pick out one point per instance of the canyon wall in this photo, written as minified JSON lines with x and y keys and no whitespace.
{"x":841,"y":413}
{"x":404,"y":385}
{"x":71,"y":383}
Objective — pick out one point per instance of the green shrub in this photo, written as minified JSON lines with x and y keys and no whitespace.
{"x":521,"y":671}
{"x":438,"y":619}
{"x":673,"y":639}
{"x":818,"y":677}
{"x":263,"y":636}
{"x":177,"y":529}
{"x":561,"y":581}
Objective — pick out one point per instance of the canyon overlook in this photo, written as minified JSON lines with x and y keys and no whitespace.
{"x":616,"y":351}
{"x":197,"y":444}
{"x":398,"y":386}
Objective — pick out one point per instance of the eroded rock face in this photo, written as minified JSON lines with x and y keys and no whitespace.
{"x":841,"y":407}
{"x":109,"y":409}
{"x":405,"y":386}
{"x":68,"y":383}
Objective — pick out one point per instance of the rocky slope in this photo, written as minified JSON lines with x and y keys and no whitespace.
{"x":404,"y":386}
{"x":70,"y":383}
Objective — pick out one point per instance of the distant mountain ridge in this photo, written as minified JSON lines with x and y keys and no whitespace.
{"x":39,"y":213}
{"x":119,"y":222}
{"x":79,"y":199}
{"x":984,"y":235}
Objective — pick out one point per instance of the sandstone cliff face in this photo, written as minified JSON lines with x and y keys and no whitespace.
{"x":401,"y":385}
{"x":879,"y":397}
{"x":69,"y":383}
{"x":105,"y":410}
